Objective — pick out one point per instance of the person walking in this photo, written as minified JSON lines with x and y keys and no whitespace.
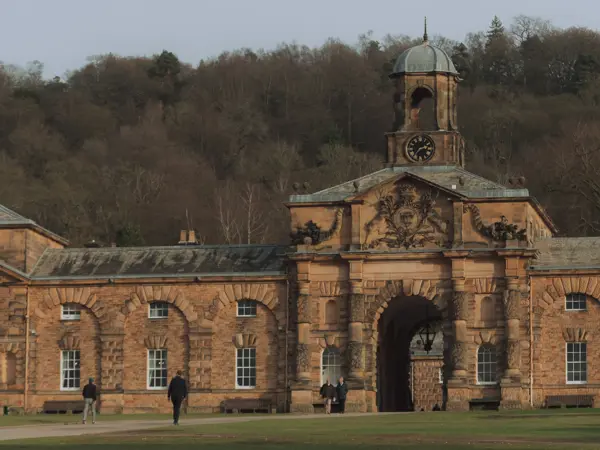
{"x":342,"y":392}
{"x":328,"y":394}
{"x":89,"y":397}
{"x":177,"y":394}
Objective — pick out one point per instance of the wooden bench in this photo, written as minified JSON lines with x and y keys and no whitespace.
{"x":484,"y":404}
{"x":63,"y":406}
{"x":569,"y":401}
{"x":238,"y":405}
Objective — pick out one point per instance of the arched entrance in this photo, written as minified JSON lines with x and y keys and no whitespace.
{"x":398,"y":326}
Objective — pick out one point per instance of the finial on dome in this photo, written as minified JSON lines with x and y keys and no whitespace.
{"x":425,"y":37}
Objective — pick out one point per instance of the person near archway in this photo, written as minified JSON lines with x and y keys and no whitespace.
{"x":342,"y":392}
{"x":328,"y":393}
{"x":89,"y":397}
{"x":177,"y":393}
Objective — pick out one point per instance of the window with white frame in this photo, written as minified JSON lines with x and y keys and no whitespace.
{"x":331,"y":365}
{"x":70,"y":370}
{"x":487,"y":365}
{"x":70,"y":311}
{"x":246,"y":308}
{"x":575,"y":302}
{"x":245,"y":368}
{"x":576,"y":362}
{"x":157,"y":368}
{"x":158,"y":310}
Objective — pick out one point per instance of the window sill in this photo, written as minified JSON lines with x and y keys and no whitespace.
{"x":487,"y":383}
{"x":246,"y":317}
{"x":576,"y":382}
{"x":157,"y":388}
{"x":245,"y":388}
{"x":575,"y":310}
{"x":76,"y":389}
{"x":70,"y":319}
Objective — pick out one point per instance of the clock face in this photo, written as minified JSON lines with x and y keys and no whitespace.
{"x":420,"y":148}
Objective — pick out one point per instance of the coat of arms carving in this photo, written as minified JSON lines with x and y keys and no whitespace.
{"x":410,"y":219}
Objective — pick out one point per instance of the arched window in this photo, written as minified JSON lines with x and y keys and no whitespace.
{"x":331,"y":313}
{"x":487,"y":365}
{"x":331,"y":368}
{"x":423,"y":109}
{"x":488,"y":309}
{"x":576,"y":302}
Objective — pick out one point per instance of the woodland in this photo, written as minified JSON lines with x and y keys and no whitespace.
{"x":130,"y":150}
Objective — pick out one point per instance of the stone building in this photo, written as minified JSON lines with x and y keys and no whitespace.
{"x":421,"y":283}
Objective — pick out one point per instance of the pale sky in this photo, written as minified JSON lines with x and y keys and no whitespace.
{"x":62,"y":33}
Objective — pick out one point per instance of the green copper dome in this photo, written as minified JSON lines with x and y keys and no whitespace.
{"x":423,"y":58}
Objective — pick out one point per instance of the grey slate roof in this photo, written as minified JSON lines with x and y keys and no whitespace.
{"x":423,"y":58}
{"x":567,"y":253}
{"x":8,"y":215}
{"x":447,"y":177}
{"x":120,"y":262}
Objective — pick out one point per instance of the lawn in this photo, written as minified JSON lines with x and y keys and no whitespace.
{"x":532,"y":430}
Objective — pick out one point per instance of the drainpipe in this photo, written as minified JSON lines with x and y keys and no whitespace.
{"x":287,"y":323}
{"x":27,"y":333}
{"x":531,"y":343}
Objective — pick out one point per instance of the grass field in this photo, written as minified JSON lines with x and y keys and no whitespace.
{"x":533,"y":430}
{"x":45,"y":419}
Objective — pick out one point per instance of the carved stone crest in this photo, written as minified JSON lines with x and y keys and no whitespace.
{"x":355,"y":355}
{"x":410,"y":219}
{"x":512,"y":303}
{"x":311,"y":233}
{"x":304,"y":309}
{"x":501,"y":231}
{"x":357,"y":308}
{"x":303,"y":358}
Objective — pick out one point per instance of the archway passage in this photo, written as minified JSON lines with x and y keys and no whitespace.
{"x":397,"y":326}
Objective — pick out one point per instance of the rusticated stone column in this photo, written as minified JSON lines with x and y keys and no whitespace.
{"x":112,"y":362}
{"x":303,"y":333}
{"x":460,"y":314}
{"x":199,"y":366}
{"x":356,"y":359}
{"x":512,"y":307}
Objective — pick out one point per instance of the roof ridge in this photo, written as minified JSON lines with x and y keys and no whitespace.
{"x":324,"y":191}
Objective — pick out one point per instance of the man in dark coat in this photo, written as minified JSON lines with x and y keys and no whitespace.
{"x":342,"y":392}
{"x":328,"y":393}
{"x":177,"y":393}
{"x":89,"y":397}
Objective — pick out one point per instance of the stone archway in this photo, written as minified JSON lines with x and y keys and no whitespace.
{"x":393,"y":317}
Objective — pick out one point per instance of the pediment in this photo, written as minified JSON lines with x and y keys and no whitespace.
{"x":407,"y":213}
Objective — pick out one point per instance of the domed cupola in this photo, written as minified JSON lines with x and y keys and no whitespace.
{"x":425,"y":127}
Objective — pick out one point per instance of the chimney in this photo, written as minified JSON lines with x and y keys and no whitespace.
{"x":192,"y":237}
{"x":92,"y":244}
{"x":183,"y":237}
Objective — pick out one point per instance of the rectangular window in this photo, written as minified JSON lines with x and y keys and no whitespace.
{"x":70,"y":311}
{"x":576,"y":302}
{"x":576,"y":362}
{"x":441,"y":375}
{"x":245,"y":368}
{"x":70,"y":373}
{"x":158,"y":310}
{"x":157,"y":369}
{"x":246,"y":308}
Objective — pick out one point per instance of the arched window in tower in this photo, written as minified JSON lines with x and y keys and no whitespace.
{"x":331,"y":365}
{"x":331,"y":313}
{"x":422,"y":110}
{"x":488,"y":310}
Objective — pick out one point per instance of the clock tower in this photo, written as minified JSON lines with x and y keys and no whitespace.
{"x":425,"y":126}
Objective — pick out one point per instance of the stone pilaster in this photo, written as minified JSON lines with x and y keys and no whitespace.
{"x":356,"y":357}
{"x":199,"y":366}
{"x":303,"y":334}
{"x":458,"y":390}
{"x":111,"y":377}
{"x":512,"y":309}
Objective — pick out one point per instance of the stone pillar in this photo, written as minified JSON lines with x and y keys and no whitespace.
{"x":511,"y":381}
{"x":302,"y":396}
{"x":111,"y":372}
{"x":303,"y":334}
{"x":356,"y":358}
{"x":458,"y":391}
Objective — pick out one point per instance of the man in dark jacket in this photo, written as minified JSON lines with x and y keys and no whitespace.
{"x":328,"y":393}
{"x":342,"y":392}
{"x":177,"y":393}
{"x":89,"y":397}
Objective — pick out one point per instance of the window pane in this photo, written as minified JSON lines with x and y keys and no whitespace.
{"x":157,"y":368}
{"x":486,"y":364}
{"x":246,"y":367}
